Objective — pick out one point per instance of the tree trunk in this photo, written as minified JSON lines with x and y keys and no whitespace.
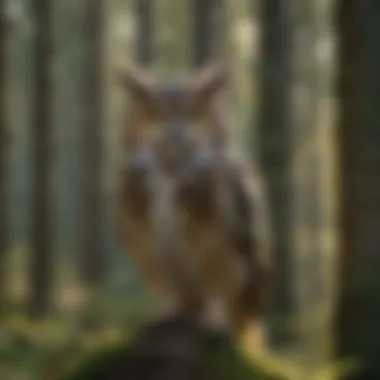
{"x":204,"y":29}
{"x":4,"y":141}
{"x":41,"y":266}
{"x":275,"y":142}
{"x":93,"y":250}
{"x":358,"y":301}
{"x":93,"y":257}
{"x":309,"y":188}
{"x":172,"y":21}
{"x":144,"y":41}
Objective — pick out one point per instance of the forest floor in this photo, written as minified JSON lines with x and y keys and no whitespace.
{"x":49,"y":348}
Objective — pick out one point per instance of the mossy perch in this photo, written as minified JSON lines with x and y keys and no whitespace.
{"x":173,"y":349}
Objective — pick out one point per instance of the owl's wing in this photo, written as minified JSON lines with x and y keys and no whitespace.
{"x":249,"y":231}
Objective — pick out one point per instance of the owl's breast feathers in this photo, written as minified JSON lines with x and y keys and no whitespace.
{"x":222,"y":224}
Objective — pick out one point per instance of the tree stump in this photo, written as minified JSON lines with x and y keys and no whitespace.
{"x":171,"y":349}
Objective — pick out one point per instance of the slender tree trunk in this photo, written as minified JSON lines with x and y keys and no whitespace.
{"x":41,"y":268}
{"x":309,"y":188}
{"x":144,"y":41}
{"x":4,"y":195}
{"x":172,"y":21}
{"x":275,"y":137}
{"x":93,"y":258}
{"x":205,"y":27}
{"x":358,"y":305}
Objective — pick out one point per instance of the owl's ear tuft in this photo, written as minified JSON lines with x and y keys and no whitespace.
{"x":139,"y":83}
{"x":212,"y":78}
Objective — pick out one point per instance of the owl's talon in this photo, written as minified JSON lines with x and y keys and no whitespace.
{"x":254,"y":338}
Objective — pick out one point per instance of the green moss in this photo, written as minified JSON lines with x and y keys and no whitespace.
{"x":226,"y":363}
{"x":222,"y":363}
{"x":100,"y":363}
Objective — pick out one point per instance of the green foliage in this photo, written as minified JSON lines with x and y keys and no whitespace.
{"x":226,"y":364}
{"x":50,"y":346}
{"x":96,"y":363}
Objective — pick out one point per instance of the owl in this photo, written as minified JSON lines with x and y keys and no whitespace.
{"x":192,"y":212}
